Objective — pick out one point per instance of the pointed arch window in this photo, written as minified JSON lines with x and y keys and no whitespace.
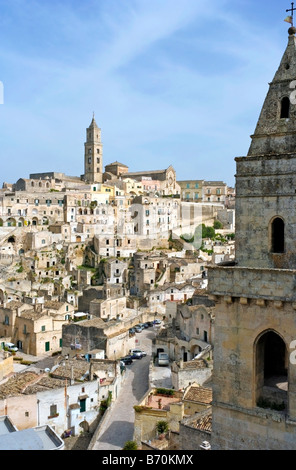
{"x":277,"y":235}
{"x":285,"y":108}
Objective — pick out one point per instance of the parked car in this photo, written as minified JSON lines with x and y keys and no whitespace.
{"x":157,"y":322}
{"x":127,"y":360}
{"x":163,"y":359}
{"x":132,"y":331}
{"x":11,"y":347}
{"x":146,"y":325}
{"x":149,"y":323}
{"x":136,"y":354}
{"x":138,"y":328}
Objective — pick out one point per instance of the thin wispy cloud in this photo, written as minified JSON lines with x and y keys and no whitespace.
{"x":170,"y":82}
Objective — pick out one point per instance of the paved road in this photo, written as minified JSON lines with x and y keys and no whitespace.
{"x":119,"y":425}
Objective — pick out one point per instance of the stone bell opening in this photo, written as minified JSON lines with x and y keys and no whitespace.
{"x":285,"y":108}
{"x":278,"y":235}
{"x":271,"y":372}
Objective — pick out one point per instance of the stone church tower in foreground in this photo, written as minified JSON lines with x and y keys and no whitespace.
{"x":254,"y":377}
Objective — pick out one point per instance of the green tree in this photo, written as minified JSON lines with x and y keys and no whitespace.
{"x":162,"y":426}
{"x":208,"y":232}
{"x":217,"y":225}
{"x":130,"y":445}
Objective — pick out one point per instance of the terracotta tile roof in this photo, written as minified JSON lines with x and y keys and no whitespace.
{"x":204,"y":423}
{"x":54,"y":304}
{"x":16,"y":385}
{"x":33,"y":315}
{"x":45,"y":383}
{"x":69,"y":368}
{"x":196,"y":364}
{"x":199,"y":394}
{"x":96,"y":323}
{"x":13,"y":304}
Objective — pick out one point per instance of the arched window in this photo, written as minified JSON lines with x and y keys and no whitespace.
{"x":277,"y":235}
{"x":271,"y":371}
{"x":285,"y":108}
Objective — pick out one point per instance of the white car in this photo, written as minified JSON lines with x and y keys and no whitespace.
{"x":137,"y":353}
{"x":11,"y":347}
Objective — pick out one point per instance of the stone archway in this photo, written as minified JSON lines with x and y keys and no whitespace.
{"x":271,"y":370}
{"x":11,"y":222}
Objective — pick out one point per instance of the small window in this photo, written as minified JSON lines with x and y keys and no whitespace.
{"x":277,"y":235}
{"x":43,"y":328}
{"x":53,"y":410}
{"x":285,"y":108}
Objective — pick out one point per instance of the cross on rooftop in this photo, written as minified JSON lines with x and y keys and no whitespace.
{"x":292,"y":9}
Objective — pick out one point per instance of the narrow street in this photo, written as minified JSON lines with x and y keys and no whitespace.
{"x":119,"y":425}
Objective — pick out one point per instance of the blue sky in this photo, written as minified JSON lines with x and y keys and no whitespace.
{"x":171,"y":82}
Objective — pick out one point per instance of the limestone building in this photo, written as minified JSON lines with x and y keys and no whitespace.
{"x":254,"y":378}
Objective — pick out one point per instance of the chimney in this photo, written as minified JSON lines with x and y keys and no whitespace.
{"x":72,"y":376}
{"x":91,"y":374}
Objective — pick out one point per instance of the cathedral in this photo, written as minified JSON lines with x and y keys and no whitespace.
{"x":254,"y":377}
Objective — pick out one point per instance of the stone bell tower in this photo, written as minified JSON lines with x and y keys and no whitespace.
{"x":93,"y":154}
{"x":254,"y":378}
